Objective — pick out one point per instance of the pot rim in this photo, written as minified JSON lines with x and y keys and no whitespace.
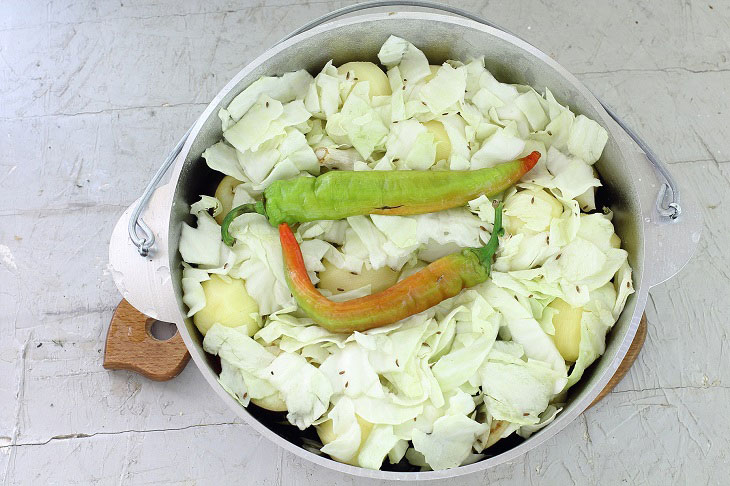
{"x":564,"y":418}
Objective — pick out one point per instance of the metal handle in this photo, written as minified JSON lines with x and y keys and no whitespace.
{"x":144,"y":243}
{"x":667,"y":202}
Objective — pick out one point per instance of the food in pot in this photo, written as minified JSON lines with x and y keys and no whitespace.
{"x":227,"y":303}
{"x":339,"y":195}
{"x":224,"y":193}
{"x":336,"y":280}
{"x":435,"y":389}
{"x":440,"y":280}
{"x":368,"y":72}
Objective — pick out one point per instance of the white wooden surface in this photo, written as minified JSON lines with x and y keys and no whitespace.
{"x":94,"y":93}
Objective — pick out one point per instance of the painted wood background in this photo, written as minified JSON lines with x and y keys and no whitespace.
{"x":94,"y":93}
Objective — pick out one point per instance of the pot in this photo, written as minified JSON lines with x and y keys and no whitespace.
{"x":658,"y":245}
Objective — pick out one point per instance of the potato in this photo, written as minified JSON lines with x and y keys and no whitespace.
{"x":224,"y":193}
{"x":434,"y":70}
{"x":443,"y":143}
{"x":227,"y":303}
{"x":567,"y":329}
{"x":326,"y":435}
{"x":367,"y":71}
{"x":273,"y":402}
{"x":337,"y":280}
{"x":615,"y":241}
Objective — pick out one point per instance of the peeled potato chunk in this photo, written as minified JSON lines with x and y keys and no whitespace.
{"x":567,"y":329}
{"x":326,"y":435}
{"x":434,"y":70}
{"x":273,"y":402}
{"x":224,"y":193}
{"x":441,"y":138}
{"x":367,"y":71}
{"x":227,"y":303}
{"x":337,"y":280}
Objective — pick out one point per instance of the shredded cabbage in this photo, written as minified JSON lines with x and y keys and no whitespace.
{"x":445,"y":90}
{"x":438,"y":388}
{"x":288,"y":87}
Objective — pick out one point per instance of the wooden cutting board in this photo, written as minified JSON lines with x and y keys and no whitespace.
{"x":131,"y":346}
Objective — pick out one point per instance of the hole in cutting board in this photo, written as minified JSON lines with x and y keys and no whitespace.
{"x":162,"y":331}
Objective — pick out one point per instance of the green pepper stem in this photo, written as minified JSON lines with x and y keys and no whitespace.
{"x":487,"y":252}
{"x":257,"y":207}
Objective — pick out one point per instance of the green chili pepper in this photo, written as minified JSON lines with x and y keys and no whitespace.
{"x":440,"y":280}
{"x":340,"y":194}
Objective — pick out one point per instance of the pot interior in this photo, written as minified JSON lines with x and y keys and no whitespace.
{"x":440,"y":39}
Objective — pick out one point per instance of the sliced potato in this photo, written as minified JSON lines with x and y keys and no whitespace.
{"x":367,"y":71}
{"x":273,"y":402}
{"x":434,"y":70}
{"x":224,"y":193}
{"x":326,"y":435}
{"x":567,"y":329}
{"x":337,"y":280}
{"x":227,"y":303}
{"x":443,"y":143}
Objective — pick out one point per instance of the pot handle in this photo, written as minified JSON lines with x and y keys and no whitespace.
{"x":669,"y":242}
{"x":146,"y":282}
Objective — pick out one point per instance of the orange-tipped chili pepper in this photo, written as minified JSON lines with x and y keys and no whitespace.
{"x":440,"y":280}
{"x":341,"y":194}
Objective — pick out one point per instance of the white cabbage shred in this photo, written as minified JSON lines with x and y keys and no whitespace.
{"x":436,"y":388}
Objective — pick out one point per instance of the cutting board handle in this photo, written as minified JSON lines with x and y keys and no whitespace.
{"x":130,"y":345}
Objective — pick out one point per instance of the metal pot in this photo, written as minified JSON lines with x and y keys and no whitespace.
{"x":658,"y":244}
